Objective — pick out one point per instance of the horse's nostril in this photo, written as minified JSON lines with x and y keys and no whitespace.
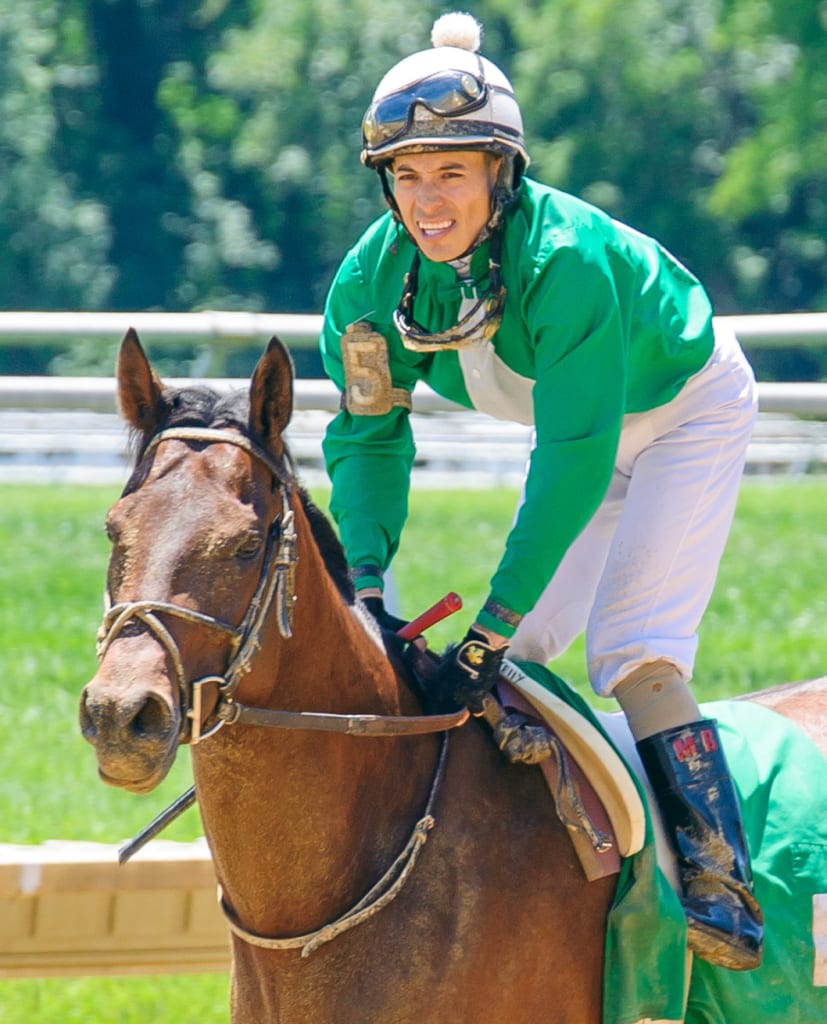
{"x":87,"y":722}
{"x":153,"y":719}
{"x":142,"y":717}
{"x":133,"y":730}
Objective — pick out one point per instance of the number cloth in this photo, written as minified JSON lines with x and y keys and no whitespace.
{"x":781,"y":778}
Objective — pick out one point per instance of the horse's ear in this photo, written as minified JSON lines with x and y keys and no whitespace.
{"x":271,"y":393}
{"x":140,"y":392}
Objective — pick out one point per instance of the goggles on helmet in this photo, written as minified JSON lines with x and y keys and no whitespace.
{"x":445,"y":94}
{"x":479,"y":325}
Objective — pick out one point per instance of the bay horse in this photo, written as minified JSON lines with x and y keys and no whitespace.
{"x":229,"y":600}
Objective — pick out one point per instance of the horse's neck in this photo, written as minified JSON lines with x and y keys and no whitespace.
{"x":300,"y":822}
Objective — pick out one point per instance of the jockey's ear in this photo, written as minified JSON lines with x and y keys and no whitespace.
{"x":271,"y":394}
{"x":140,"y":391}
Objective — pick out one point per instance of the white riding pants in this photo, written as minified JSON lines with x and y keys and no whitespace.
{"x":640,"y":575}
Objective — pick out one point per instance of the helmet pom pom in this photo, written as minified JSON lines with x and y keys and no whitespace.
{"x":457,"y":29}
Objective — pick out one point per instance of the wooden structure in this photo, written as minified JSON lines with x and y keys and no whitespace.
{"x":69,"y":908}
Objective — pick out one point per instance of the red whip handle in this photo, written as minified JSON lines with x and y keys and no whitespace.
{"x":436,"y":613}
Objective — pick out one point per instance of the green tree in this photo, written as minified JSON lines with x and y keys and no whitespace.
{"x":184,"y":154}
{"x":54,"y":237}
{"x":774,"y":183}
{"x":121,"y":142}
{"x":700,"y":122}
{"x":291,"y":88}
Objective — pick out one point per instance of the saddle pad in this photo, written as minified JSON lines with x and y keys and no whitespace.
{"x":593,"y":754}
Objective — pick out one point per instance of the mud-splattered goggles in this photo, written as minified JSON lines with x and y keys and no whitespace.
{"x":446,"y":94}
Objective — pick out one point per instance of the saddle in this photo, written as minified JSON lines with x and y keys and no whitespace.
{"x":594,"y":793}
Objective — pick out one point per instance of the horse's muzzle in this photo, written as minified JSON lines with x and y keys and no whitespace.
{"x":135,"y":734}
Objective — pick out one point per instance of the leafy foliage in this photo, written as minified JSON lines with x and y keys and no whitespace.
{"x":54,"y":235}
{"x":186,"y":154}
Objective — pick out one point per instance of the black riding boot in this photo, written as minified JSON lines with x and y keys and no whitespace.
{"x":697,"y":799}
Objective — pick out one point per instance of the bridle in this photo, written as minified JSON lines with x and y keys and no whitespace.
{"x":277,"y":581}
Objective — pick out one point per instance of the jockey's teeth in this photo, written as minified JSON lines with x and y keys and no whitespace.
{"x":433,"y":228}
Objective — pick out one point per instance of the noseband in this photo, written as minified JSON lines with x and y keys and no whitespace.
{"x":276,"y":582}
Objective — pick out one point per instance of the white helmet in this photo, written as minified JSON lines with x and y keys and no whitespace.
{"x":448,"y":96}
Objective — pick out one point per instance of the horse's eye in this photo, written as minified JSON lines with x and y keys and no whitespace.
{"x":111,"y":531}
{"x":250,"y":545}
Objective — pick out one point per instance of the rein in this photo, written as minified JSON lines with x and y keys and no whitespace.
{"x":276,"y":582}
{"x":348,"y":725}
{"x":377,"y":897}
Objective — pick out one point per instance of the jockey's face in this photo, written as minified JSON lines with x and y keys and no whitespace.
{"x":444,"y":198}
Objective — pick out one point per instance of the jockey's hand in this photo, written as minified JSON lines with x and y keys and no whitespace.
{"x":470,"y":670}
{"x":388,"y":623}
{"x":389,"y":626}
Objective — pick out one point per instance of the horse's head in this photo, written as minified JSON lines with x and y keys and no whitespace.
{"x":198,"y":540}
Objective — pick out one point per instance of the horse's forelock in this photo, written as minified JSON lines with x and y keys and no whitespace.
{"x":192,"y":406}
{"x":201,"y":406}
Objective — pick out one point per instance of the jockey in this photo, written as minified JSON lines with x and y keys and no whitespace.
{"x":528,"y":304}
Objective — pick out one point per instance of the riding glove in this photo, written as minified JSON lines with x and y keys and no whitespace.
{"x":470,"y":670}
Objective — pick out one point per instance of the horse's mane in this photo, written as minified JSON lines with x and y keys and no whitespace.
{"x":330,"y":547}
{"x":201,"y":406}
